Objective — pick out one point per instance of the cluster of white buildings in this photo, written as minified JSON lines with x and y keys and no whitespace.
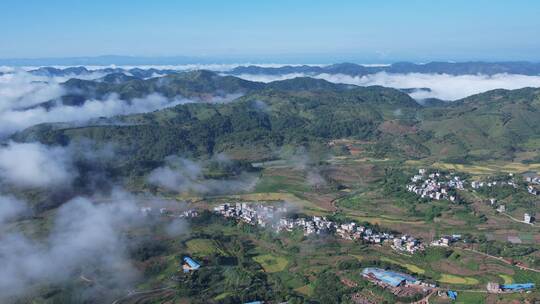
{"x":532,"y":190}
{"x":407,"y":243}
{"x":271,"y":216}
{"x":533,"y":179}
{"x":435,"y":185}
{"x":250,"y":213}
{"x":483,"y":184}
{"x":353,"y":231}
{"x":315,"y":225}
{"x":446,"y":240}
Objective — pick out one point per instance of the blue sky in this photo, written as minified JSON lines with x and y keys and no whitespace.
{"x":358,"y":30}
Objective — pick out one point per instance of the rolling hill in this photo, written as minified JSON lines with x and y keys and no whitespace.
{"x":304,"y":111}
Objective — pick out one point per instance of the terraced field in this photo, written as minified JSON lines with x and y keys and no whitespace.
{"x":203,"y":247}
{"x":490,"y":168}
{"x":271,"y":263}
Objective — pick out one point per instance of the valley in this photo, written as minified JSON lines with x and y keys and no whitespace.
{"x":368,"y":158}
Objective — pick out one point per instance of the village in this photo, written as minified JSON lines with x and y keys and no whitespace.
{"x":433,"y":185}
{"x":273,"y":217}
{"x":436,"y":185}
{"x":439,"y":186}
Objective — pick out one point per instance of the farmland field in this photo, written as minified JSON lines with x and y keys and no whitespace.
{"x":410,"y":267}
{"x":271,"y":263}
{"x":203,"y":246}
{"x":453,"y":279}
{"x":506,"y":278}
{"x":489,"y":167}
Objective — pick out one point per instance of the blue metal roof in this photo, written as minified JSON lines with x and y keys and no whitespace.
{"x":518,"y":286}
{"x":452,"y":294}
{"x":191,"y":263}
{"x":389,"y":277}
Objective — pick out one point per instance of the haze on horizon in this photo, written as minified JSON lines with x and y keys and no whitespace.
{"x":288,"y":31}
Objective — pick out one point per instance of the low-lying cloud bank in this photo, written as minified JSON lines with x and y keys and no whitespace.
{"x":15,"y":120}
{"x":33,"y":165}
{"x":10,"y":208}
{"x":301,"y":160}
{"x":21,"y":94}
{"x":443,"y":86}
{"x":58,"y":172}
{"x":85,"y":241}
{"x":21,"y":89}
{"x":184,"y":175}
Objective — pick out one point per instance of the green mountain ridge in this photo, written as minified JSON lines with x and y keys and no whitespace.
{"x":497,"y":124}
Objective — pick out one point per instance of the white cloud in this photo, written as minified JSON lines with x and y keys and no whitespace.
{"x":183,"y":175}
{"x":13,"y":120}
{"x":86,"y":239}
{"x":10,"y":207}
{"x":33,"y":165}
{"x":443,"y":86}
{"x":269,"y":78}
{"x":19,"y":90}
{"x":6,"y":69}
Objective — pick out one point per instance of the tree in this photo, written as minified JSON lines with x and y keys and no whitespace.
{"x":328,"y":288}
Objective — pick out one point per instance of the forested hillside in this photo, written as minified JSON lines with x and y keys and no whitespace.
{"x":303,"y":111}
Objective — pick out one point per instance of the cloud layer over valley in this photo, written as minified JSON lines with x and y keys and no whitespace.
{"x":21,"y":92}
{"x":16,"y":120}
{"x":442,"y":86}
{"x":85,"y":241}
{"x":85,"y":238}
{"x":33,"y":165}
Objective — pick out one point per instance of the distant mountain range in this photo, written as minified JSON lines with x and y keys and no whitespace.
{"x":83,"y":71}
{"x":204,"y":86}
{"x":352,"y":69}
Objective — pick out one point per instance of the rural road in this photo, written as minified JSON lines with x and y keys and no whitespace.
{"x":501,"y":259}
{"x":519,"y":221}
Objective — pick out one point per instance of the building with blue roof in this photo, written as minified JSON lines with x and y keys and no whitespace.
{"x":190,"y":264}
{"x":388,"y":277}
{"x":517,"y":287}
{"x":452,"y":295}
